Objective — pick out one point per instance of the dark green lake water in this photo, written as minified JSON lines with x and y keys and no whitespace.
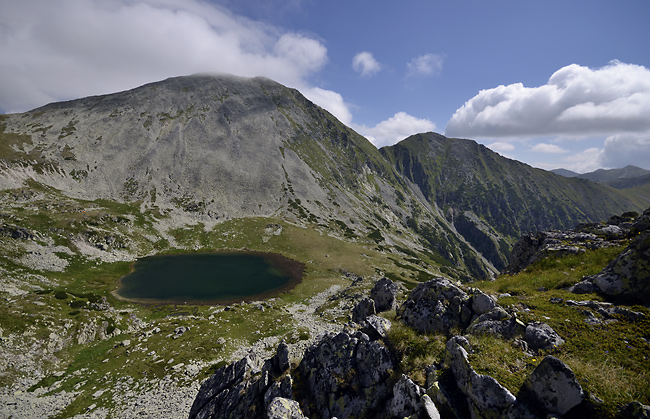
{"x":208,"y":277}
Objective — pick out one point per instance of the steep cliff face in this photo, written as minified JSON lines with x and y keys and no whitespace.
{"x":492,"y":200}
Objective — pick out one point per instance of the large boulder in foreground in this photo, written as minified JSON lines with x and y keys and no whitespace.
{"x":345,"y":376}
{"x":554,"y":387}
{"x":437,"y":306}
{"x":627,"y":277}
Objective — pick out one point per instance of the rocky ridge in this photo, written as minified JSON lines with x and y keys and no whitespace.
{"x":355,"y":374}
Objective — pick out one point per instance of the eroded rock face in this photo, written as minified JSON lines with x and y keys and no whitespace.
{"x":554,"y":386}
{"x":484,"y":393}
{"x":281,"y":408}
{"x":363,"y":309}
{"x":627,"y":277}
{"x":384,"y":294}
{"x":346,"y":376}
{"x":408,"y":399}
{"x":437,"y":306}
{"x":246,"y":389}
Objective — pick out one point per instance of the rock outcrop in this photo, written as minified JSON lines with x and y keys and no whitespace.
{"x":554,"y":386}
{"x":533,"y":247}
{"x":346,"y":376}
{"x":437,"y":306}
{"x":384,"y":294}
{"x":628,"y":276}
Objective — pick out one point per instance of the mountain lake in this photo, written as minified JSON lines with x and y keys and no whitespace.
{"x":208,"y":278}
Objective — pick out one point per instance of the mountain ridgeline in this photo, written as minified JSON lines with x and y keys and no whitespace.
{"x":492,"y":200}
{"x":208,"y":148}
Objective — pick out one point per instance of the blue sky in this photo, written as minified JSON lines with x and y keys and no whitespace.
{"x":553,"y":84}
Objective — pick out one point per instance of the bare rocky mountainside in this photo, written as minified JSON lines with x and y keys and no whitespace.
{"x":401,"y":309}
{"x":218,"y":148}
{"x":492,"y":200}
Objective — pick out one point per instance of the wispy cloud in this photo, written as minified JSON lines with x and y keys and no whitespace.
{"x":394,"y":129}
{"x":365,"y":64}
{"x":425,"y":65}
{"x":577,"y":101}
{"x":548,"y":148}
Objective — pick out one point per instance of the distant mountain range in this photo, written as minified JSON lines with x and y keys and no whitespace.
{"x":215,"y":148}
{"x":625,"y":178}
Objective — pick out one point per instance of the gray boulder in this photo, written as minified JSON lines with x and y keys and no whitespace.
{"x":481,"y":302}
{"x":345,"y":376}
{"x":363,"y":309}
{"x":409,"y":399}
{"x":235,"y":390}
{"x":384,"y":294}
{"x":497,"y":322}
{"x":281,"y":408}
{"x":376,"y":327}
{"x":554,"y":387}
{"x":628,"y":276}
{"x":540,"y":336}
{"x":485,"y":395}
{"x":436,"y":306}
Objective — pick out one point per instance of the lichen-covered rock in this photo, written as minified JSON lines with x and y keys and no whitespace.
{"x":363,"y":309}
{"x":410,"y":399}
{"x":436,"y":306}
{"x":376,"y":327}
{"x":481,"y":302}
{"x":407,"y":398}
{"x":235,"y":390}
{"x":497,"y":322}
{"x":281,"y":408}
{"x":627,"y":277}
{"x":485,"y":394}
{"x":540,"y":336}
{"x":345,"y":376}
{"x":554,"y":386}
{"x":384,"y":294}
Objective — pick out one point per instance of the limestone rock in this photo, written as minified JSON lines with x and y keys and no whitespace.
{"x":376,"y":327}
{"x":497,"y":322}
{"x":282,"y":388}
{"x":627,"y":277}
{"x":540,"y":336}
{"x":363,"y":309}
{"x":234,"y":390}
{"x":436,"y":306}
{"x":554,"y":386}
{"x":409,"y":399}
{"x":481,"y":302}
{"x":281,"y":408}
{"x":345,"y":375}
{"x":384,"y":295}
{"x":281,"y":358}
{"x":484,"y":392}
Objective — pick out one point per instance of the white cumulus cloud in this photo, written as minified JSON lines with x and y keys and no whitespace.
{"x":64,"y":49}
{"x":365,"y":64}
{"x":623,"y":149}
{"x":425,"y":65}
{"x":576,"y":101}
{"x":394,"y":129}
{"x":548,"y":148}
